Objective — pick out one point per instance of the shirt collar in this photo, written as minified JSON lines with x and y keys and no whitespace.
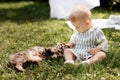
{"x":92,"y":29}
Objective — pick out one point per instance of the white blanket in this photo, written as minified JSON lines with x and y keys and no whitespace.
{"x":61,"y":9}
{"x":112,"y":22}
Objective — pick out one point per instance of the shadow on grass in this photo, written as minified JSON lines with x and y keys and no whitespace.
{"x":33,"y":12}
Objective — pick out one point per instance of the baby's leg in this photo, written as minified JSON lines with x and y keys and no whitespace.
{"x":69,"y":56}
{"x":99,"y":56}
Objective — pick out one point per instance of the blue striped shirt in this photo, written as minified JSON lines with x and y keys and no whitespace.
{"x":94,"y":37}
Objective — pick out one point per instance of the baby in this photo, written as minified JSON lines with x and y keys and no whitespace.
{"x":88,"y":43}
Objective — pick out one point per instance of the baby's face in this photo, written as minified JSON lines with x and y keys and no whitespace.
{"x":78,"y":24}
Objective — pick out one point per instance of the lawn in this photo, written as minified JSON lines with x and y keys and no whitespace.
{"x":27,"y":24}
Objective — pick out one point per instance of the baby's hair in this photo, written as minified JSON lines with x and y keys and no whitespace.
{"x":80,"y":12}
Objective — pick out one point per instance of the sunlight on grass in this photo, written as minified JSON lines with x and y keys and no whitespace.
{"x":103,"y":13}
{"x":15,"y":5}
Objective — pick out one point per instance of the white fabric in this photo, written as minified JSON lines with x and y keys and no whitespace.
{"x":61,"y":9}
{"x":112,"y":22}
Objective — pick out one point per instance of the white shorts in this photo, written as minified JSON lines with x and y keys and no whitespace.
{"x":81,"y":54}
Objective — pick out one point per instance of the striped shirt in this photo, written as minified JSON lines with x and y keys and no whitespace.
{"x":94,"y":37}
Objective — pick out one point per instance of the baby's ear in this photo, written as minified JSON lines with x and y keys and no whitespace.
{"x":72,"y":19}
{"x":88,"y":22}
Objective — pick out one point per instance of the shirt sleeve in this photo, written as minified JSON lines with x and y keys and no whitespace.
{"x":72,"y":39}
{"x":101,"y":40}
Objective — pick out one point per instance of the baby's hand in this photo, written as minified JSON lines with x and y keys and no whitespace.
{"x":70,"y":45}
{"x":93,"y":51}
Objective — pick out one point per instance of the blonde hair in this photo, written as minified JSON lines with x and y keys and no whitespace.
{"x":80,"y":12}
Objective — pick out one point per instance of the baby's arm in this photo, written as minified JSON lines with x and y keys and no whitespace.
{"x":101,"y":43}
{"x":72,"y":41}
{"x":70,"y":45}
{"x":93,"y":51}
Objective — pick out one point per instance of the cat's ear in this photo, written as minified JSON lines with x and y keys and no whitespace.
{"x":63,"y":43}
{"x":58,"y":43}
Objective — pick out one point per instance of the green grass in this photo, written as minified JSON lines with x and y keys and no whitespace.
{"x":27,"y":24}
